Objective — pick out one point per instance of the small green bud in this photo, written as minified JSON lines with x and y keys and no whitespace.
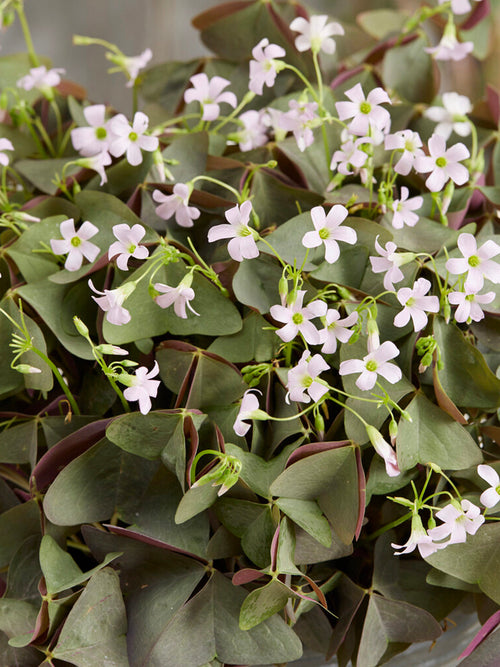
{"x":319,"y":423}
{"x":4,"y":100}
{"x":431,"y":523}
{"x":393,"y":428}
{"x":26,"y":369}
{"x":110,"y":349}
{"x":80,"y":326}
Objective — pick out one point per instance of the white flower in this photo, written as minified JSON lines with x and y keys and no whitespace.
{"x":416,"y":304}
{"x":449,"y":48}
{"x":40,"y":77}
{"x":410,"y":143}
{"x":131,"y":139}
{"x":458,"y":6}
{"x":95,"y":138}
{"x":135,"y":63}
{"x":327,"y":230}
{"x":452,"y":116}
{"x":477,"y":262}
{"x":209,"y":94}
{"x":5,"y":145}
{"x":179,"y":296}
{"x":389,"y":262}
{"x":249,"y":409}
{"x":366,"y":112}
{"x":336,"y":329}
{"x":457,"y":523}
{"x":300,"y":119}
{"x":76,"y":244}
{"x":254,"y":132}
{"x":443,"y":164}
{"x":98,"y":163}
{"x":127,"y":245}
{"x":302,"y":384}
{"x":373,"y":364}
{"x":142,"y":387}
{"x":491,"y":496}
{"x":469,"y":308}
{"x":418,"y":538}
{"x":242,"y":244}
{"x":384,"y":450}
{"x":404,"y":209}
{"x":316,"y":34}
{"x":296,"y":318}
{"x":111,"y":302}
{"x":263,"y":69}
{"x":176,"y":203}
{"x":350,"y":155}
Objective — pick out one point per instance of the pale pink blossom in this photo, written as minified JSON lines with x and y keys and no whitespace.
{"x":127,"y":245}
{"x":302,"y":383}
{"x":491,"y":496}
{"x":350,"y":157}
{"x":76,"y":244}
{"x":418,"y":538}
{"x":97,"y":163}
{"x":176,"y":204}
{"x":366,"y":112}
{"x":254,"y":132}
{"x":133,"y":64}
{"x":316,"y":34}
{"x":249,"y":409}
{"x":457,"y":523}
{"x":297,"y":319}
{"x":242,"y":244}
{"x":469,"y":305}
{"x":263,"y":69}
{"x":131,"y":140}
{"x":142,"y":387}
{"x":416,"y":304}
{"x":404,"y":209}
{"x":179,"y":296}
{"x":410,"y":143}
{"x":327,"y":230}
{"x":459,"y":6}
{"x":389,"y":263}
{"x":452,"y":116}
{"x":95,"y":138}
{"x":336,"y":329}
{"x":373,"y":364}
{"x":443,"y":164}
{"x":41,"y":77}
{"x":208,"y":92}
{"x":449,"y":48}
{"x":384,"y":450}
{"x":5,"y":145}
{"x":111,"y":302}
{"x":477,"y":262}
{"x":300,"y":119}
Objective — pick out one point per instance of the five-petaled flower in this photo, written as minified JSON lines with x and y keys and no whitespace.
{"x":452,"y":116}
{"x":111,"y":302}
{"x":443,"y":163}
{"x":179,"y":296}
{"x":254,"y":132}
{"x":302,"y":384}
{"x":416,"y":304}
{"x":95,"y":138}
{"x":297,"y":319}
{"x":208,"y":92}
{"x":133,"y":64}
{"x":366,"y":113}
{"x":410,"y":144}
{"x":264,"y":67}
{"x":457,"y":523}
{"x":476,"y":262}
{"x":350,"y":157}
{"x":242,"y":244}
{"x":389,"y":262}
{"x":131,"y":139}
{"x":316,"y":34}
{"x":373,"y":364}
{"x":141,"y":387}
{"x":404,"y":209}
{"x":176,"y":204}
{"x":127,"y":245}
{"x":327,"y":230}
{"x":469,"y":305}
{"x":336,"y":329}
{"x":41,"y":78}
{"x":418,"y":538}
{"x":76,"y":244}
{"x":449,"y":48}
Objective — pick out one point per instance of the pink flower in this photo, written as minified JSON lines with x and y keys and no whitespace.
{"x":135,"y":63}
{"x":365,"y":113}
{"x":76,"y":244}
{"x":336,"y":329}
{"x":327,"y":231}
{"x":127,"y":245}
{"x":302,"y":384}
{"x":416,"y":304}
{"x":209,"y":94}
{"x":491,"y":496}
{"x":297,"y":319}
{"x":5,"y":145}
{"x":373,"y":364}
{"x":457,"y":523}
{"x":249,"y":409}
{"x":242,"y":244}
{"x":403,"y":209}
{"x":142,"y":387}
{"x":41,"y":77}
{"x":316,"y":34}
{"x":389,"y":262}
{"x":477,"y":262}
{"x":459,"y":6}
{"x":179,"y":296}
{"x":469,"y":309}
{"x":384,"y":449}
{"x":97,"y":162}
{"x":263,"y":69}
{"x":410,"y":143}
{"x":452,"y":116}
{"x":418,"y":538}
{"x":443,"y":164}
{"x":111,"y":302}
{"x":176,"y":203}
{"x":350,"y":155}
{"x":449,"y":48}
{"x":131,"y":139}
{"x":95,"y":138}
{"x":300,"y":119}
{"x":254,"y":132}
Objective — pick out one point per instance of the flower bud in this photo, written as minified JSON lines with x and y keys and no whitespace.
{"x":26,"y":369}
{"x":104,"y":348}
{"x":80,"y":326}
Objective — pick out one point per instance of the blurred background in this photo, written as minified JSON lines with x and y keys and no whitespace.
{"x":165,"y":27}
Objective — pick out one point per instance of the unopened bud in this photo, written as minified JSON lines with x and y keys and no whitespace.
{"x":319,"y":423}
{"x":431,"y":523}
{"x":26,"y":369}
{"x":104,"y":348}
{"x":80,"y":326}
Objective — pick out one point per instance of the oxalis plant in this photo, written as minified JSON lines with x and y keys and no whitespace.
{"x":250,"y":346}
